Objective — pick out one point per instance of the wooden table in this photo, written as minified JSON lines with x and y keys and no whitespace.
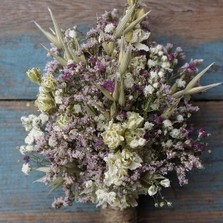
{"x":195,"y":25}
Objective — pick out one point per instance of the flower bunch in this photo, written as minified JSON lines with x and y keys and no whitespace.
{"x":114,"y":110}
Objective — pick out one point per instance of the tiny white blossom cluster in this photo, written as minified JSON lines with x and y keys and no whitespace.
{"x":114,"y":112}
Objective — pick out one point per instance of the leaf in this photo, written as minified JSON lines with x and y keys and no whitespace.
{"x":61,"y":60}
{"x":135,"y":22}
{"x":194,"y":81}
{"x":49,"y":36}
{"x":44,"y":169}
{"x":121,"y":26}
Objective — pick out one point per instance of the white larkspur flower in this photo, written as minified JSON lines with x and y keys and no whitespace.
{"x":26,"y":168}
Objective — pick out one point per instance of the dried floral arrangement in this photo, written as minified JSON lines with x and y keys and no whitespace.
{"x":114,"y":110}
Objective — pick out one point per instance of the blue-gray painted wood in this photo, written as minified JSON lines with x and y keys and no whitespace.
{"x":19,"y":195}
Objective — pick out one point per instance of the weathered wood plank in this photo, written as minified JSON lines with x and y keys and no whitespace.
{"x":191,"y":20}
{"x":23,"y":201}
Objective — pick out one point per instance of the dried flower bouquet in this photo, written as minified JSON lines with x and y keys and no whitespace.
{"x":114,"y":110}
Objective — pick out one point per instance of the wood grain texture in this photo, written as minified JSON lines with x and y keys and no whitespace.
{"x":23,"y":201}
{"x":196,"y":21}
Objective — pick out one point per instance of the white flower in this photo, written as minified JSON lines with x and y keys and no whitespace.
{"x":109,"y":27}
{"x":36,"y":123}
{"x":58,"y":97}
{"x":149,"y":89}
{"x":134,"y":138}
{"x":165,"y":65}
{"x":26,"y":168}
{"x":77,"y":109}
{"x":152,"y":190}
{"x":153,"y":74}
{"x":180,"y":83}
{"x":44,"y":118}
{"x":148,"y":125}
{"x":175,"y":133}
{"x":29,"y":139}
{"x":52,"y":141}
{"x":156,"y":85}
{"x":167,"y":123}
{"x":129,"y":81}
{"x":151,"y":63}
{"x":180,"y":118}
{"x":104,"y":198}
{"x":118,"y":165}
{"x":113,"y":135}
{"x":165,"y":183}
{"x":72,"y":33}
{"x":164,"y":57}
{"x":161,"y":74}
{"x":169,"y":143}
{"x":25,"y":149}
{"x":134,"y":120}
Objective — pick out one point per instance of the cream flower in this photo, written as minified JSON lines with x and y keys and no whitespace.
{"x":134,"y":120}
{"x":113,"y":135}
{"x":118,"y":165}
{"x":26,"y":168}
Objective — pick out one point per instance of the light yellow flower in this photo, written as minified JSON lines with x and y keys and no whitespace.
{"x":134,"y":120}
{"x":113,"y":136}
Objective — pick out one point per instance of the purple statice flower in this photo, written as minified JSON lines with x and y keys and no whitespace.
{"x":191,"y":67}
{"x":122,"y":115}
{"x":70,"y":64}
{"x":202,"y":133}
{"x":51,"y":67}
{"x":100,"y":67}
{"x":109,"y":85}
{"x":158,"y":120}
{"x":67,"y":74}
{"x":171,"y":56}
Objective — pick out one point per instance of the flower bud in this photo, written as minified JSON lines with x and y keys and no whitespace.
{"x":34,"y":75}
{"x":165,"y":183}
{"x":45,"y":102}
{"x":49,"y":82}
{"x":152,"y":190}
